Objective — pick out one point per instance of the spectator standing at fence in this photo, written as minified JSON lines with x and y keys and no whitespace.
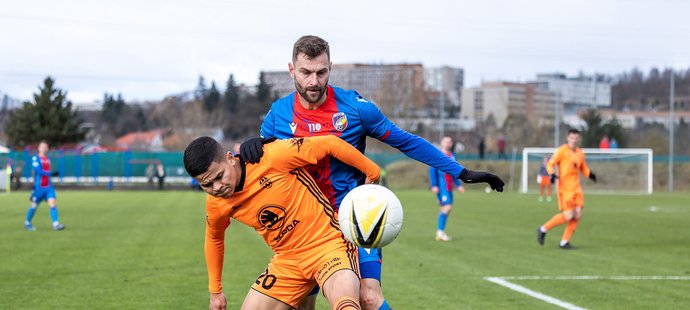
{"x":613,"y":143}
{"x":482,"y":148}
{"x":604,"y":142}
{"x":502,"y":147}
{"x":160,"y":174}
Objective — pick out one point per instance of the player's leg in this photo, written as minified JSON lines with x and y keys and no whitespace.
{"x":52,"y":203}
{"x":256,"y":300}
{"x":541,"y":189}
{"x":370,"y":293}
{"x":341,"y":290}
{"x":559,"y":219}
{"x":309,"y":302}
{"x":37,"y":195}
{"x":446,"y":201}
{"x":548,"y":188}
{"x":578,"y":201}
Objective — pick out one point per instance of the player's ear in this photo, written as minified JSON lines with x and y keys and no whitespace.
{"x":291,"y":69}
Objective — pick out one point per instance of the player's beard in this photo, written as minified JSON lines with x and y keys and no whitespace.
{"x":303,"y":92}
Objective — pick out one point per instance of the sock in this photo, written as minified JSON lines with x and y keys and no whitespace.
{"x":346,"y":303}
{"x":569,"y":230}
{"x":385,"y":305}
{"x":442,"y":218}
{"x":30,"y":214}
{"x":556,"y":220}
{"x":54,"y":214}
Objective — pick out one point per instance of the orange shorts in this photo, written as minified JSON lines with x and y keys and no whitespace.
{"x":570,"y":200}
{"x":545,"y":180}
{"x":289,"y":277}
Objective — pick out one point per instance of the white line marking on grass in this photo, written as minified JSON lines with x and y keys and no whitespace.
{"x":535,"y":294}
{"x":503,"y":281}
{"x":615,"y":278}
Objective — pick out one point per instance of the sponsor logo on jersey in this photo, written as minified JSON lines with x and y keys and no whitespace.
{"x":339,"y":121}
{"x":265,"y":182}
{"x":293,"y":127}
{"x":271,"y":217}
{"x":286,"y":230}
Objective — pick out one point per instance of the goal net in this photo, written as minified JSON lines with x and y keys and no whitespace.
{"x":619,"y":171}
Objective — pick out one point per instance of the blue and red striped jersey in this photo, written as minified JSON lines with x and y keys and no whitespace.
{"x":41,"y":167}
{"x":351,"y":117}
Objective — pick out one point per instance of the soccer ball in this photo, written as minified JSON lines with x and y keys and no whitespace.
{"x":370,"y":216}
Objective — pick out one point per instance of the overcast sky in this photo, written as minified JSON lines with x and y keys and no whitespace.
{"x":146,"y":49}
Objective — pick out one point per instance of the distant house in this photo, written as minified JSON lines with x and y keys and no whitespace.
{"x":151,"y":140}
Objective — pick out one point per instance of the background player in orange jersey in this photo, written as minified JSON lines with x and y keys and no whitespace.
{"x":570,"y":161}
{"x":281,"y":201}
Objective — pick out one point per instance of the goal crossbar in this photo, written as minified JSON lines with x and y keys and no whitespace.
{"x":611,"y":152}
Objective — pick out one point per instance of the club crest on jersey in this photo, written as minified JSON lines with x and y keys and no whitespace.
{"x":339,"y":121}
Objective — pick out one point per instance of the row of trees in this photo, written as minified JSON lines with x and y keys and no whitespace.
{"x":50,"y":115}
{"x":636,"y":91}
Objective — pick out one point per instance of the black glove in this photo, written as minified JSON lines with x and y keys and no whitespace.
{"x":469,"y":176}
{"x":553,"y":178}
{"x":251,"y":150}
{"x":54,"y":174}
{"x":593,"y":177}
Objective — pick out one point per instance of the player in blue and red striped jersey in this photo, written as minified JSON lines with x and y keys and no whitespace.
{"x":317,"y":108}
{"x":43,"y":188}
{"x":443,"y":184}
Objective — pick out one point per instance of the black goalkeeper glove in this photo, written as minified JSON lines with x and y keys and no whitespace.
{"x":469,"y":176}
{"x":54,"y":174}
{"x":593,"y":177}
{"x":251,"y":150}
{"x":553,"y":178}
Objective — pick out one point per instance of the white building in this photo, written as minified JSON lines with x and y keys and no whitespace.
{"x":577,"y":93}
{"x":500,"y":99}
{"x":446,"y":80}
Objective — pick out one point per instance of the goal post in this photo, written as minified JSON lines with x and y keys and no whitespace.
{"x":619,"y":171}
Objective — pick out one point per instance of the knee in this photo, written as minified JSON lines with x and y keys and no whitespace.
{"x":370,"y":297}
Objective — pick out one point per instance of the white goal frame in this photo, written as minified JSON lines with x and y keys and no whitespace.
{"x":628,"y":151}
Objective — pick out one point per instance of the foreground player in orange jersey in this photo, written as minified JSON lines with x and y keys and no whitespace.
{"x":571,"y":162}
{"x":279,"y":199}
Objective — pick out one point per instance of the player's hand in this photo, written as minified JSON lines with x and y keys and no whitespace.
{"x":434,"y":189}
{"x":370,"y":181}
{"x":469,"y":176}
{"x":593,"y":177}
{"x":54,"y":174}
{"x":251,"y":150}
{"x":553,"y":178}
{"x":218,"y":301}
{"x":461,"y":189}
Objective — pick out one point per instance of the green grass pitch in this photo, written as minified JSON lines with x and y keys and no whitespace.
{"x":137,"y":250}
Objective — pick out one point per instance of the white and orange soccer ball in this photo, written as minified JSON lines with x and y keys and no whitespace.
{"x":370,"y":216}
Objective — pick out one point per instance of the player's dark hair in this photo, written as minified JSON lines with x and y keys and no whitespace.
{"x":573,"y":131}
{"x":199,"y":155}
{"x":312,"y":46}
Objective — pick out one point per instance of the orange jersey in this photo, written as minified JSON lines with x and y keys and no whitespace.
{"x":570,"y":164}
{"x":279,"y":199}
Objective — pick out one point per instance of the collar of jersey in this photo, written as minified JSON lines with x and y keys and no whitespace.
{"x":240,"y":184}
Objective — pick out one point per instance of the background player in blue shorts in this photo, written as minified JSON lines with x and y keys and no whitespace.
{"x":316,"y":109}
{"x":442,"y":184}
{"x":43,"y":188}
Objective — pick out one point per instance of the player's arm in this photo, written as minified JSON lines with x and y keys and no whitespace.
{"x":379,"y":127}
{"x":433,"y":179}
{"x":551,"y":165}
{"x":299,"y":152}
{"x":38,"y":168}
{"x":214,"y":244}
{"x":587,"y":172}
